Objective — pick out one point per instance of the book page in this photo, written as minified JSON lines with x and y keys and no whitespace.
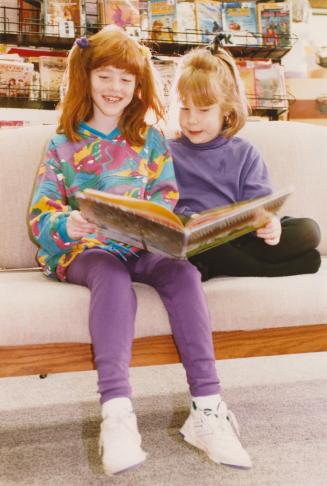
{"x":216,"y":226}
{"x":140,"y":223}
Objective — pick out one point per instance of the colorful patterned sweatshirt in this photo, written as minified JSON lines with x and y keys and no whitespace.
{"x":103,"y":162}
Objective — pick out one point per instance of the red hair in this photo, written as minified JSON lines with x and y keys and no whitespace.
{"x":117,"y":49}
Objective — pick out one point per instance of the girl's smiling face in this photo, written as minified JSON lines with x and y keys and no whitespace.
{"x":112,"y":89}
{"x":200,"y":124}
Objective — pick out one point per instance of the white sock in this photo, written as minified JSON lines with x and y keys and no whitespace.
{"x":116,"y":405}
{"x":209,"y":401}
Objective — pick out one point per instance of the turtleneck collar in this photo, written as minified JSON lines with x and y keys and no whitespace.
{"x":212,"y":144}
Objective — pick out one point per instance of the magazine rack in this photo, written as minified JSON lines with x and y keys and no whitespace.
{"x":33,"y":32}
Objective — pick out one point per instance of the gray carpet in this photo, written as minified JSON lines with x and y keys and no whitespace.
{"x":49,"y":428}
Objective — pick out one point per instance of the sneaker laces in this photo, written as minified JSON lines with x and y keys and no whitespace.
{"x":223,"y":414}
{"x":119,"y":419}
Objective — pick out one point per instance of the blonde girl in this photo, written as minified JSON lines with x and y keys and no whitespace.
{"x":214,"y":167}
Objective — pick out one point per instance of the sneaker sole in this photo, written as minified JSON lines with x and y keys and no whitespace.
{"x":215,"y":459}
{"x":122,"y":471}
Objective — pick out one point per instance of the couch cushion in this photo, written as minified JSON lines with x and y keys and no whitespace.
{"x":296,"y":154}
{"x":46,"y":311}
{"x":23,"y":149}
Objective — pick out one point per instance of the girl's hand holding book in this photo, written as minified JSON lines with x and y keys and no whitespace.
{"x":271,"y":232}
{"x":77,"y":226}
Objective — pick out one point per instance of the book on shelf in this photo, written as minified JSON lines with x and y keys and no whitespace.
{"x":208,"y":15}
{"x":166,"y":68}
{"x":187,"y":29}
{"x":247,"y":74}
{"x":270,"y":85}
{"x":240,"y":18}
{"x":51,"y":74}
{"x":274,"y":23}
{"x":91,"y":14}
{"x":150,"y":226}
{"x":64,"y":17}
{"x":264,"y":83}
{"x":162,"y":17}
{"x":124,"y":13}
{"x":15,"y":78}
{"x":29,"y":16}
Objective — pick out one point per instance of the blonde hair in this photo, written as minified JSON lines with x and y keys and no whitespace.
{"x":209,"y":77}
{"x":110,"y":47}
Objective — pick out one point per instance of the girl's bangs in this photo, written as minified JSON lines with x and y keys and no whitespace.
{"x":201,"y":89}
{"x":124,"y":56}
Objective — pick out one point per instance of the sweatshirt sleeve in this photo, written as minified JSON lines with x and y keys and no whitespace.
{"x":255,"y":178}
{"x":49,"y":210}
{"x":161,"y":186}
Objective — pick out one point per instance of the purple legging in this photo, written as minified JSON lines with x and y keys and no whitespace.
{"x":113,"y":308}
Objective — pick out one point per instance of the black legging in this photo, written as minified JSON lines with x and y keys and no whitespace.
{"x":250,"y":256}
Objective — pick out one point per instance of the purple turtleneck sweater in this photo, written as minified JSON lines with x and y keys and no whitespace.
{"x":217,"y":173}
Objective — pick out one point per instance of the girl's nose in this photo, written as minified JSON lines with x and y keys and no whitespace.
{"x":115,"y":84}
{"x":193,"y":118}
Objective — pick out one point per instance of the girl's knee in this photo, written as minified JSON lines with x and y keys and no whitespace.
{"x":104,"y":267}
{"x":183,"y":270}
{"x":311,"y":232}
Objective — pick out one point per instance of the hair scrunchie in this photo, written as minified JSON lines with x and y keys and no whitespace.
{"x":82,"y":42}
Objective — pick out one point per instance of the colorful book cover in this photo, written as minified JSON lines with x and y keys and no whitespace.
{"x":247,"y":74}
{"x":270,"y":85}
{"x":240,"y":18}
{"x":122,"y":12}
{"x":152,"y":227}
{"x":58,"y":11}
{"x":166,"y":68}
{"x":162,"y":19}
{"x":274,"y":23}
{"x":29,"y":16}
{"x":15,"y":79}
{"x":208,"y":18}
{"x":187,"y":29}
{"x":51,"y":74}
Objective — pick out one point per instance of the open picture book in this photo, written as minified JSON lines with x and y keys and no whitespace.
{"x":152,"y":227}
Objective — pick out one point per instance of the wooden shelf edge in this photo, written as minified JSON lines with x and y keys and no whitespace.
{"x":159,"y":350}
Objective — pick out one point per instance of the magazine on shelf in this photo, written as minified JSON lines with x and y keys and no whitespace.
{"x":274,"y":21}
{"x":124,"y":13}
{"x":240,"y":19}
{"x":166,"y":67}
{"x":208,"y":18}
{"x":187,"y":30}
{"x":247,"y":74}
{"x":162,"y":16}
{"x":62,"y":17}
{"x":270,"y":85}
{"x":152,"y":227}
{"x":15,"y":78}
{"x":52,"y":70}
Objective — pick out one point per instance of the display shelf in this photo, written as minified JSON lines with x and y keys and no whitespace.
{"x":34,"y":33}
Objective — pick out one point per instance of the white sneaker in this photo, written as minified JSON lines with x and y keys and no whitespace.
{"x":120,"y":440}
{"x":216,"y":432}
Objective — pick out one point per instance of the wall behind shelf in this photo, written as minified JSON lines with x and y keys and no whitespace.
{"x":35,"y":117}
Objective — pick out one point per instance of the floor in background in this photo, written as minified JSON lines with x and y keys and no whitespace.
{"x":49,"y":428}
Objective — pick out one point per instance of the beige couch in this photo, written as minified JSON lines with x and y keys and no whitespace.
{"x":44,"y":324}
